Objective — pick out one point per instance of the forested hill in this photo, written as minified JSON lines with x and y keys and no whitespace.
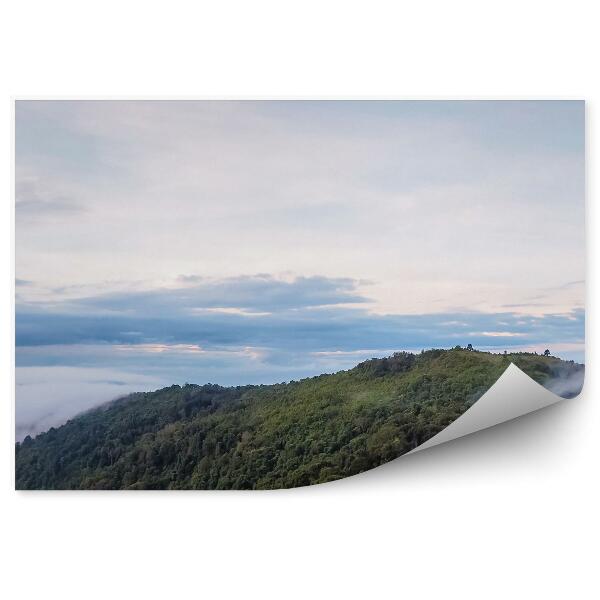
{"x":269,"y":436}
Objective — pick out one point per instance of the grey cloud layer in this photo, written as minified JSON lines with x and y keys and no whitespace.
{"x":258,"y":293}
{"x":305,"y":314}
{"x":309,"y":330}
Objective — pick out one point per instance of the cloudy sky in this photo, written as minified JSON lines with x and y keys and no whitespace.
{"x":245,"y":242}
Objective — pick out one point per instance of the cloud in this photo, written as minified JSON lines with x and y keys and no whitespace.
{"x":32,"y":205}
{"x":39,"y":208}
{"x":566,"y":384}
{"x":246,"y":295}
{"x":294,"y":316}
{"x":497,"y":333}
{"x":569,"y":284}
{"x":284,"y":318}
{"x":442,"y":199}
{"x":160,"y":348}
{"x":48,"y":396}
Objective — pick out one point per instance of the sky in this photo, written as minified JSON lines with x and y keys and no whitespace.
{"x":162,"y":242}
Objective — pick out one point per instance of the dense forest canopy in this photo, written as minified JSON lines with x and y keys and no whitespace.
{"x":269,"y":436}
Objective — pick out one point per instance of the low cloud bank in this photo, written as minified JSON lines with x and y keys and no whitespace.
{"x":567,"y":383}
{"x":49,"y":396}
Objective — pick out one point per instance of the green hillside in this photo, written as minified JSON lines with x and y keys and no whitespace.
{"x":269,"y":436}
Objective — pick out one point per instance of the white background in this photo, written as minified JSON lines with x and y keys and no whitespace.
{"x":507,"y":513}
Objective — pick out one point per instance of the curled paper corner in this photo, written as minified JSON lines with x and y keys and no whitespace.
{"x":513,"y":395}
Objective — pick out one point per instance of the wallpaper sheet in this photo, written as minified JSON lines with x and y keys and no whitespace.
{"x":271,"y":294}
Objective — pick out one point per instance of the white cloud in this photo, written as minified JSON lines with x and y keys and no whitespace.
{"x":440,"y":207}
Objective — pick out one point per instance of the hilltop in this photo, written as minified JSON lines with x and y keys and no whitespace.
{"x":270,"y":436}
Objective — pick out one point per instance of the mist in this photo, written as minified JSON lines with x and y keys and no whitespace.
{"x":567,"y":381}
{"x":49,"y":396}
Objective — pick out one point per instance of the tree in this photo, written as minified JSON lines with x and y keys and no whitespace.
{"x":470,"y":347}
{"x":546,"y":352}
